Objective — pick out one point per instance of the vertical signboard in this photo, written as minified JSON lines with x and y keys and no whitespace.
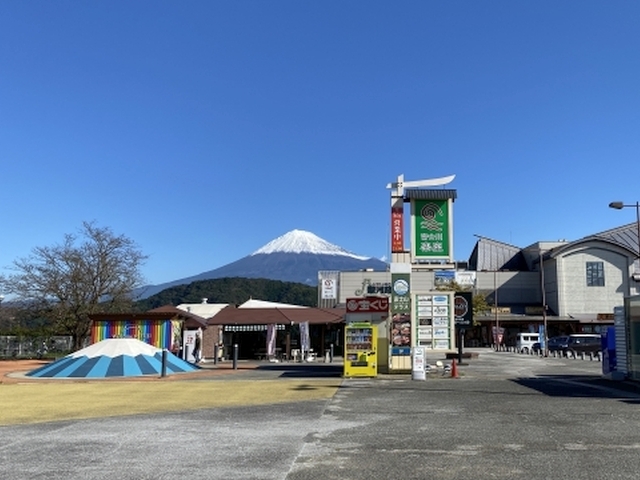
{"x":271,"y":340}
{"x":400,"y":310}
{"x":305,"y":343}
{"x":463,"y":317}
{"x":541,"y":338}
{"x":329,"y":288}
{"x":621,"y":339}
{"x":463,"y":309}
{"x":400,"y":314}
{"x":431,"y":229}
{"x":433,"y":313}
{"x":419,"y":364}
{"x":400,"y":293}
{"x":397,"y":229}
{"x":188,"y":346}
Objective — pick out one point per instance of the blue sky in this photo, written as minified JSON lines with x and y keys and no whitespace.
{"x":204,"y":129}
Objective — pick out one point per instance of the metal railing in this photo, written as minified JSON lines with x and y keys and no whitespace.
{"x":15,"y":346}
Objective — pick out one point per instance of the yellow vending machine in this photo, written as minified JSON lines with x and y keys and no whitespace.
{"x":360,"y":355}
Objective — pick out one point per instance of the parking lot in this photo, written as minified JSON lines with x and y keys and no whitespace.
{"x":508,"y":415}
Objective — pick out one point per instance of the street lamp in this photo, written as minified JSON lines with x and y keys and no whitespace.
{"x":544,"y":306}
{"x":495,"y":306}
{"x":620,"y":206}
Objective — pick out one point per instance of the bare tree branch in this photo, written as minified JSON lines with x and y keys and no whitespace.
{"x":94,"y":272}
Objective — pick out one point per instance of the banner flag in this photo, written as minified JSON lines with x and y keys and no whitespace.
{"x":271,"y":340}
{"x":304,"y":336}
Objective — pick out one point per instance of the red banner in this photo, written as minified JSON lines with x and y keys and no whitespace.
{"x":397,"y":230}
{"x":367,"y":304}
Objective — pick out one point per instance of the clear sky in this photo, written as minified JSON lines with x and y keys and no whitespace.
{"x":204,"y":129}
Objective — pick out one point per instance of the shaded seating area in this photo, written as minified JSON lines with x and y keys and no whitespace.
{"x":247,"y":325}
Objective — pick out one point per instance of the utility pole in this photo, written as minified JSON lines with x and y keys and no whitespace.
{"x":544,"y":306}
{"x":495,"y":306}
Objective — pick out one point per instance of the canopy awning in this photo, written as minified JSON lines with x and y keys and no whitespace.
{"x":282,"y":316}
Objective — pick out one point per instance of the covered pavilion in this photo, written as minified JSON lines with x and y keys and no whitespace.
{"x":245,"y":325}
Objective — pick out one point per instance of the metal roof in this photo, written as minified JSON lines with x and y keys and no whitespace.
{"x":491,"y":255}
{"x":626,"y":236}
{"x":429,"y":194}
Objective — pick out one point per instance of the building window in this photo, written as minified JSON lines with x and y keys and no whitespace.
{"x":595,"y":274}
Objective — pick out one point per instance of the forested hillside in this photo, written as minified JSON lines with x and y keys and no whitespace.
{"x":233,"y":290}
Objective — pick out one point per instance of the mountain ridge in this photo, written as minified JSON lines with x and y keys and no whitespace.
{"x":234,"y":290}
{"x":302,"y":241}
{"x":296,"y":256}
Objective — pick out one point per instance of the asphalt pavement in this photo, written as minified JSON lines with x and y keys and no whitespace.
{"x":507,"y":416}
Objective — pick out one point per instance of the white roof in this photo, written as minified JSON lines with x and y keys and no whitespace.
{"x":251,"y":303}
{"x":204,"y":310}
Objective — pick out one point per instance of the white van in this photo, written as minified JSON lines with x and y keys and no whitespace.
{"x":525,"y":341}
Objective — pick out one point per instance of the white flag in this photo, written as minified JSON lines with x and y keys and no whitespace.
{"x":304,"y":336}
{"x":271,"y":340}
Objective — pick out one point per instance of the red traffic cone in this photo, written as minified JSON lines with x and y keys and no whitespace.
{"x":454,"y":369}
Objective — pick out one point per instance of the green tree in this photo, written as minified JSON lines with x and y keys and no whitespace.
{"x":90,"y":273}
{"x":480,"y":305}
{"x":452,"y":286}
{"x":232,"y":290}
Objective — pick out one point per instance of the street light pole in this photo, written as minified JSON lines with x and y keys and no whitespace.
{"x":544,"y":307}
{"x":495,"y":305}
{"x":620,"y":206}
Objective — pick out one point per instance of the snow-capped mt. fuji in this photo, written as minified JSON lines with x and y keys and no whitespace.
{"x":296,"y":256}
{"x":301,"y":241}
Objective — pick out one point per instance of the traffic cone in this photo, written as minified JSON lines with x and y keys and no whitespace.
{"x":454,"y":369}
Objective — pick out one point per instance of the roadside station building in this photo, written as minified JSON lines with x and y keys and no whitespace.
{"x":569,"y":286}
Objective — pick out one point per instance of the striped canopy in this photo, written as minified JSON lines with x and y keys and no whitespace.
{"x":114,"y":357}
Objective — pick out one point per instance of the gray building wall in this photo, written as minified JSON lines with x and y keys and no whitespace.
{"x":523,"y":288}
{"x":513,"y":287}
{"x":357,"y":284}
{"x":422,"y":281}
{"x":551,"y":286}
{"x":578,"y":299}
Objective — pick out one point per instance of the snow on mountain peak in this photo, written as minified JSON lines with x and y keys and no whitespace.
{"x":301,"y":241}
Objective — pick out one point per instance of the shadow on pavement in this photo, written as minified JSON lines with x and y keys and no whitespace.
{"x":304,"y":370}
{"x":581,"y":386}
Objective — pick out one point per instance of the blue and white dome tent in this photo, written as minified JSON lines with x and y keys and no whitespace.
{"x":114,"y":357}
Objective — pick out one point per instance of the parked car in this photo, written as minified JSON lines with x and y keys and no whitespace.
{"x":525,"y":342}
{"x":554,"y":344}
{"x":583,"y":343}
{"x":558,"y":344}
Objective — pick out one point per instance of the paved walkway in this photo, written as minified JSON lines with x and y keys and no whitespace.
{"x":507,"y":416}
